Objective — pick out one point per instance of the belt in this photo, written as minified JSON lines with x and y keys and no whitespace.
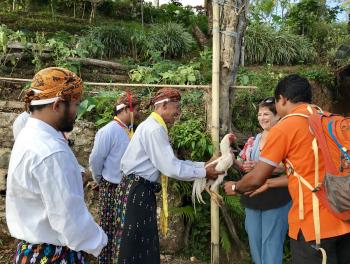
{"x":153,"y":186}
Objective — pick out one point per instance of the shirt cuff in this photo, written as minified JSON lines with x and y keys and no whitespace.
{"x":270,"y":162}
{"x":200,"y":172}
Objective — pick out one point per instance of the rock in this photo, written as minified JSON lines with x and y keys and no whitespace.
{"x":193,"y":259}
{"x":3,"y":173}
{"x":4,"y":157}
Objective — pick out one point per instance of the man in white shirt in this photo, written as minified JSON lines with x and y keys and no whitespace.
{"x":45,"y":206}
{"x":149,"y":154}
{"x":110,"y":144}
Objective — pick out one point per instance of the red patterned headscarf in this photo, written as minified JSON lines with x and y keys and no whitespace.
{"x":166,"y":95}
{"x":127,"y":100}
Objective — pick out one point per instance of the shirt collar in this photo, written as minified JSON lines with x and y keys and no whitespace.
{"x":299,"y":108}
{"x":43,"y":126}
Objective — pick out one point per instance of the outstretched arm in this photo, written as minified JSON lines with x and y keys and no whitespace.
{"x":281,"y":181}
{"x":252,"y":180}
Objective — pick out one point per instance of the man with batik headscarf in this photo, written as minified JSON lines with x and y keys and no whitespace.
{"x":45,"y":206}
{"x":148,"y":155}
{"x":110,"y":144}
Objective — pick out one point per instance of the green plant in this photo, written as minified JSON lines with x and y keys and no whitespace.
{"x":115,"y":39}
{"x":38,"y":48}
{"x":190,"y":137}
{"x":98,"y":109}
{"x":171,"y":39}
{"x":264,"y":44}
{"x":170,"y":73}
{"x":61,"y":51}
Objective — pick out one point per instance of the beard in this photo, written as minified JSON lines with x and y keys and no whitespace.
{"x":66,"y":122}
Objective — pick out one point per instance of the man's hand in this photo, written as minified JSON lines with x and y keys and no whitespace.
{"x":248,"y":166}
{"x":211,"y":173}
{"x":214,"y":157}
{"x":228,"y":188}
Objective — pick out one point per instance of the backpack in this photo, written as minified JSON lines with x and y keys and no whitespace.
{"x":332,"y":138}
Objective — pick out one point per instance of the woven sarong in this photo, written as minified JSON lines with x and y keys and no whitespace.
{"x":107,"y":205}
{"x":28,"y":253}
{"x":137,"y":239}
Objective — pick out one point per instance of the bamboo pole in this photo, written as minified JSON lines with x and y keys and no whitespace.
{"x":139,"y":85}
{"x":214,"y":209}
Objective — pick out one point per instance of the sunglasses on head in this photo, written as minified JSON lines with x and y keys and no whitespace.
{"x":268,"y":100}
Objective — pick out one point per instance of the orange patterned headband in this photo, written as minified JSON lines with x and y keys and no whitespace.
{"x":52,"y":83}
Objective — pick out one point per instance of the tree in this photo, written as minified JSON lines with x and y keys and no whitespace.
{"x":234,"y":19}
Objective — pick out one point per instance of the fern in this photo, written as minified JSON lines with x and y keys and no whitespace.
{"x":182,"y":188}
{"x":225,"y":241}
{"x":234,"y":205}
{"x":186,"y":212}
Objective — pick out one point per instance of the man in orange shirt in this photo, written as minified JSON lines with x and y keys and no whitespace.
{"x":291,"y":140}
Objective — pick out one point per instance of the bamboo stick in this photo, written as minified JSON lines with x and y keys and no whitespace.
{"x":139,"y":85}
{"x":214,"y":209}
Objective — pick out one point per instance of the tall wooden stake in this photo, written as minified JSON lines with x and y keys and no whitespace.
{"x":214,"y":209}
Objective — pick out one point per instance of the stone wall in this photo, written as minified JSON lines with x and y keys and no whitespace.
{"x":82,"y":136}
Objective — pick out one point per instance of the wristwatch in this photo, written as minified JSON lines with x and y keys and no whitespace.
{"x":233,"y":187}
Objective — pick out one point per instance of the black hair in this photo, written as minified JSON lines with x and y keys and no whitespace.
{"x":120,"y":110}
{"x":294,"y":88}
{"x":33,"y":108}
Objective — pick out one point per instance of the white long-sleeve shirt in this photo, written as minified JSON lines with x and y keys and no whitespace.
{"x":45,"y":196}
{"x":110,"y":144}
{"x":149,"y":153}
{"x":19,"y":123}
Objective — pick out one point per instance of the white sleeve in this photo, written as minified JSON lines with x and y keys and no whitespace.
{"x":162,"y":156}
{"x":63,"y":196}
{"x":99,"y":153}
{"x":19,"y":123}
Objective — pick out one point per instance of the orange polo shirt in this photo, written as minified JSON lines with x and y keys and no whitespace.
{"x":291,"y":139}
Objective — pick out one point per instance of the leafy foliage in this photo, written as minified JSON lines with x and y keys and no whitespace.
{"x":169,"y":72}
{"x":312,"y":19}
{"x":190,"y":136}
{"x":172,"y":39}
{"x":266,"y":45}
{"x":186,"y":212}
{"x":99,"y":109}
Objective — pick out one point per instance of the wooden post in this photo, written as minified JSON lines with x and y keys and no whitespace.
{"x":214,"y":209}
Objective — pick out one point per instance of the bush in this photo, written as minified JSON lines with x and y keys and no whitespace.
{"x":171,"y":39}
{"x":263,"y":44}
{"x":41,"y":22}
{"x":115,"y":39}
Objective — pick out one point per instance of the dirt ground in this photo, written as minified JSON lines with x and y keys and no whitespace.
{"x":8,"y":244}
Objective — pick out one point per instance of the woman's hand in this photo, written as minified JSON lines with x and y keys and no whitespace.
{"x":261,"y":189}
{"x":248,"y":166}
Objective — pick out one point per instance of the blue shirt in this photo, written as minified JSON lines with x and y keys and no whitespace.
{"x":150,"y":153}
{"x":110,"y":144}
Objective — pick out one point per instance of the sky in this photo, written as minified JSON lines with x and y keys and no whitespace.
{"x":341,"y":17}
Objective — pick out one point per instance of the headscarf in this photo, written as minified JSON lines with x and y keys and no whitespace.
{"x":166,"y":95}
{"x":52,"y":83}
{"x":127,"y":100}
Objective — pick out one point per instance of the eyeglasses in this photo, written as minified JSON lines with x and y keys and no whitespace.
{"x":269,"y":100}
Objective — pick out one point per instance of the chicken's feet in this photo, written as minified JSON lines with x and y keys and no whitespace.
{"x":218,"y":199}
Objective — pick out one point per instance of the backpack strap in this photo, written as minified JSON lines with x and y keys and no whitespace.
{"x":315,"y":201}
{"x":343,"y":149}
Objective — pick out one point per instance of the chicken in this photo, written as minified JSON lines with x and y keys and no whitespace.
{"x":223,"y":163}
